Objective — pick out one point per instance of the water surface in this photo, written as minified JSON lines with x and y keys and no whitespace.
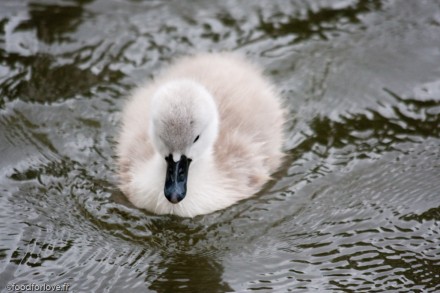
{"x":356,"y":206}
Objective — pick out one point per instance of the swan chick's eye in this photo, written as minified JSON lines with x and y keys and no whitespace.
{"x":197,"y":138}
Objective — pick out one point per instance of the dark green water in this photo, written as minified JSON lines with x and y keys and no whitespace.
{"x":355,"y":208}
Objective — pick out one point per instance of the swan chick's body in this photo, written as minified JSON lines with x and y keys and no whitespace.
{"x":204,"y":135}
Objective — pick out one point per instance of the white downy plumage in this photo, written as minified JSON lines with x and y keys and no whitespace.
{"x":218,"y":111}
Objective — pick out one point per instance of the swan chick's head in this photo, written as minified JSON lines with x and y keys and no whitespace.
{"x":183,"y":128}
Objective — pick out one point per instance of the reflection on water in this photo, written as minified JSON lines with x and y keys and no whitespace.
{"x":181,"y":270}
{"x":354,"y":208}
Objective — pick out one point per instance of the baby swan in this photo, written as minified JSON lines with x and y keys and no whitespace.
{"x":204,"y":135}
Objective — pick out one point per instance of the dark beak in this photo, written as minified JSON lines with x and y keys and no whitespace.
{"x":176,"y":178}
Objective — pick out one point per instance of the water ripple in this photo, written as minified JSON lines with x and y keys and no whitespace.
{"x":354,"y":208}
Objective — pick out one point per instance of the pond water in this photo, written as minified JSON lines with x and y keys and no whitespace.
{"x":355,"y":207}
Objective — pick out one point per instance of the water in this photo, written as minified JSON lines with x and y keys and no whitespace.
{"x":356,"y":206}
